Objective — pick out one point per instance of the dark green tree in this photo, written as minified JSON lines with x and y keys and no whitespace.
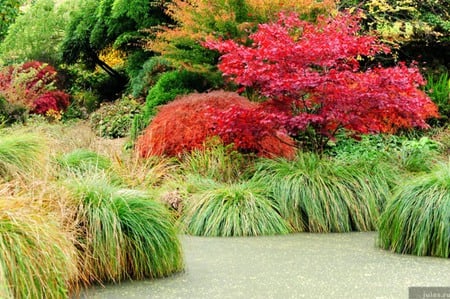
{"x":117,"y":23}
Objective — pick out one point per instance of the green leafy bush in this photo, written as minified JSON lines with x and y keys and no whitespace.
{"x":148,"y":75}
{"x":78,"y":79}
{"x":401,"y":152}
{"x":236,"y":209}
{"x":416,"y":220}
{"x":37,"y":32}
{"x":114,"y":120}
{"x":9,"y":11}
{"x":174,"y":83}
{"x":418,"y":155}
{"x":82,"y":105}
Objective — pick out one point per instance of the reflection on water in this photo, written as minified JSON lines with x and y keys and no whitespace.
{"x":294,"y":266}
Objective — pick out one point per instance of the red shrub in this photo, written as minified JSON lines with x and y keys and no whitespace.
{"x":56,"y":101}
{"x":311,"y":72}
{"x":32,"y":85}
{"x":186,"y":123}
{"x":42,"y":74}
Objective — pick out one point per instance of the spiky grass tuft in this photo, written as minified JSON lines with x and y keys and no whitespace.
{"x":84,"y":159}
{"x":322,"y":195}
{"x":417,"y":219}
{"x":216,"y":161}
{"x":19,"y":154}
{"x":233,"y":209}
{"x":126,"y":234}
{"x":136,"y":172}
{"x":151,"y":242}
{"x":37,"y":259}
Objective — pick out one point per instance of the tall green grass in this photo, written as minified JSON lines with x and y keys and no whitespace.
{"x":438,"y":88}
{"x":151,"y":242}
{"x":232,"y":209}
{"x":136,"y":172}
{"x":19,"y":154}
{"x":125,"y":234}
{"x":417,"y":219}
{"x":37,"y":259}
{"x":324,"y":195}
{"x":216,"y":161}
{"x":84,"y":159}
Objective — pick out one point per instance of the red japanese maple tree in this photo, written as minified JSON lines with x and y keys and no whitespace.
{"x":310,"y":75}
{"x":189,"y":121}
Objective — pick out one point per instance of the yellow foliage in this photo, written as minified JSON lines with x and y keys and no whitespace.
{"x":268,"y":9}
{"x":199,"y":20}
{"x":53,"y":115}
{"x":392,"y":28}
{"x":112,"y":57}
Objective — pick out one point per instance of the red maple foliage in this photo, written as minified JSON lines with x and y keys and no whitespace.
{"x":42,"y":74}
{"x":189,"y":121}
{"x":32,"y":85}
{"x":312,"y":76}
{"x":55,"y":101}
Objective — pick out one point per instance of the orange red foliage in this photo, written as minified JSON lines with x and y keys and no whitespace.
{"x":33,"y":85}
{"x":188,"y":122}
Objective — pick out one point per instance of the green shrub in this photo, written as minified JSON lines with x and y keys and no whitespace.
{"x":170,"y":85}
{"x":125,"y":234}
{"x":418,"y":155}
{"x":148,"y":75}
{"x":37,"y":259}
{"x":416,"y":220}
{"x":79,"y":79}
{"x":324,"y":195}
{"x":370,"y":147}
{"x":404,"y":153}
{"x":115,"y":120}
{"x":174,"y":83}
{"x":236,"y":209}
{"x":19,"y":154}
{"x":83,"y":103}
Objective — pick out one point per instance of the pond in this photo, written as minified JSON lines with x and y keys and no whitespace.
{"x":294,"y":266}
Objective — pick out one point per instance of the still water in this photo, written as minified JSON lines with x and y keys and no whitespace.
{"x":294,"y":266}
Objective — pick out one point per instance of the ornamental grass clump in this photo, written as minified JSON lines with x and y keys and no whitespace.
{"x":216,"y":161}
{"x":322,"y":195}
{"x":83,"y":160}
{"x":19,"y":154}
{"x":125,"y":234}
{"x":232,"y":209}
{"x":417,"y":219}
{"x":37,"y":258}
